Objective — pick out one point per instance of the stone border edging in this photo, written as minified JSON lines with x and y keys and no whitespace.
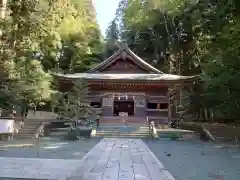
{"x":165,"y":171}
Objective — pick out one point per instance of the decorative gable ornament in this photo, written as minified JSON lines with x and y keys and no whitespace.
{"x":124,"y":55}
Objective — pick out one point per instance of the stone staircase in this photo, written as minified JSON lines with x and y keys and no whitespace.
{"x":122,"y":121}
{"x":29,"y":128}
{"x":132,"y":127}
{"x":122,"y":131}
{"x":33,"y":121}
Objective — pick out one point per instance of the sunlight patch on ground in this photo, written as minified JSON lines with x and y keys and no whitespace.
{"x":51,"y":147}
{"x":77,"y":153}
{"x":218,"y":146}
{"x":16,"y":145}
{"x":55,"y":145}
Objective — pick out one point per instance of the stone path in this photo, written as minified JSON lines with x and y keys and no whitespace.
{"x":121,"y":159}
{"x":110,"y":159}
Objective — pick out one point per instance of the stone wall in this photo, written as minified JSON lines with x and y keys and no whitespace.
{"x":41,"y":115}
{"x":223,"y":132}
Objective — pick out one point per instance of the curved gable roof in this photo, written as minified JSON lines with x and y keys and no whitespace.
{"x":122,"y":53}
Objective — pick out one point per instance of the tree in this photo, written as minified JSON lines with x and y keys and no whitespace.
{"x":74,"y":105}
{"x":27,"y":83}
{"x":41,"y":36}
{"x":189,"y":37}
{"x":80,"y":39}
{"x":112,"y":38}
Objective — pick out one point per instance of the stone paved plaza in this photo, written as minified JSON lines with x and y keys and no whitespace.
{"x":58,"y":159}
{"x":110,"y":159}
{"x":52,"y":148}
{"x":198,"y":160}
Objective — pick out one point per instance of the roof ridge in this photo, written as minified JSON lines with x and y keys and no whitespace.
{"x":148,"y":77}
{"x":105,"y":61}
{"x":131,"y":53}
{"x":144,"y":62}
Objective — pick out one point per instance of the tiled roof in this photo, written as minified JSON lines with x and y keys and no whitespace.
{"x":145,"y":77}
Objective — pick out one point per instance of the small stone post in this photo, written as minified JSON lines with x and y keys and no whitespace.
{"x":154,"y":133}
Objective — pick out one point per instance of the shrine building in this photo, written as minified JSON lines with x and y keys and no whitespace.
{"x":126,"y":85}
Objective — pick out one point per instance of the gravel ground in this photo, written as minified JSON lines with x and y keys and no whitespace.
{"x":186,"y":160}
{"x":196,"y":160}
{"x":53,"y":148}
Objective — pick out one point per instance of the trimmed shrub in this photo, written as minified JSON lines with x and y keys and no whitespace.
{"x":72,"y":135}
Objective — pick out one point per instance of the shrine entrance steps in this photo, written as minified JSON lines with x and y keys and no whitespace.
{"x":122,"y":121}
{"x":123,"y":131}
{"x":32,"y":122}
{"x":131,"y":127}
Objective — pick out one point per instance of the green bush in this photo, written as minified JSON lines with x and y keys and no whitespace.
{"x":84,"y":131}
{"x":72,"y":135}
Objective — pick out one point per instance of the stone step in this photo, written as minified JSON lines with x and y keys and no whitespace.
{"x":28,"y":128}
{"x":129,"y":120}
{"x":30,"y":125}
{"x":25,"y":131}
{"x":34,"y":121}
{"x":24,"y":137}
{"x":115,"y":131}
{"x":25,"y":134}
{"x":122,"y":136}
{"x":120,"y":120}
{"x":122,"y":127}
{"x":131,"y":134}
{"x":122,"y":131}
{"x":127,"y":130}
{"x":122,"y":123}
{"x":138,"y":133}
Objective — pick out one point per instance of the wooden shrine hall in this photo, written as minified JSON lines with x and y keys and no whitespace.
{"x":126,"y":85}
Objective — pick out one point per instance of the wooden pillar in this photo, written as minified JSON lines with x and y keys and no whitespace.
{"x":171,"y":104}
{"x":175,"y":92}
{"x":181,"y":108}
{"x":181,"y":95}
{"x":107,"y":105}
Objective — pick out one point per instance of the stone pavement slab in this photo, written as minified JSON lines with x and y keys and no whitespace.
{"x":121,"y":159}
{"x":35,"y":168}
{"x":110,"y":159}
